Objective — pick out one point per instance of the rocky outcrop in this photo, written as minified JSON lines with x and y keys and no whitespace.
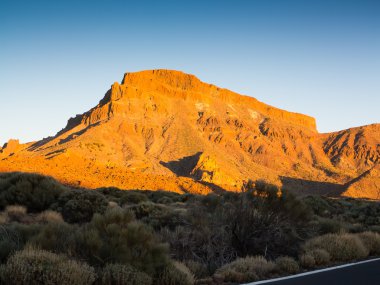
{"x":164,"y":129}
{"x":10,"y":148}
{"x":356,"y":149}
{"x":367,"y":185}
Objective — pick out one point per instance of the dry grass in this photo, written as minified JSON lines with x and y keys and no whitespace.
{"x":371,"y":241}
{"x":33,"y":267}
{"x":287,"y":265}
{"x":49,"y":217}
{"x":119,"y":274}
{"x":307,"y":260}
{"x":175,"y":273}
{"x":112,"y":204}
{"x":3,"y":218}
{"x":341,"y":247}
{"x":198,"y":269}
{"x":246,"y":269}
{"x":16,"y":213}
{"x":321,"y":256}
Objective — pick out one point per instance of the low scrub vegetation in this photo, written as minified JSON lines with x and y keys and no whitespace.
{"x":340,"y":247}
{"x":32,"y":266}
{"x":246,"y":269}
{"x":52,"y":232}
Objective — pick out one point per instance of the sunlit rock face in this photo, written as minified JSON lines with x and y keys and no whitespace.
{"x":164,"y":129}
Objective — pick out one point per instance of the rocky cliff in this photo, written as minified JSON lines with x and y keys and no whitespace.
{"x":163,"y":129}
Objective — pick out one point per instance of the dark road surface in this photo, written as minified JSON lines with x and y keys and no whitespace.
{"x":358,"y":274}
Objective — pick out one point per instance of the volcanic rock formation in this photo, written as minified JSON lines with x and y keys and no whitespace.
{"x":163,"y":129}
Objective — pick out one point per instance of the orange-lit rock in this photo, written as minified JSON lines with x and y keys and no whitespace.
{"x":163,"y":129}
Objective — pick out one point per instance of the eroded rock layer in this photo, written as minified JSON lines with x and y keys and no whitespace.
{"x":163,"y":129}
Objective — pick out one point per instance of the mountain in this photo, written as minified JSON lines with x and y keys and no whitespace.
{"x":366,"y":185}
{"x":164,"y":129}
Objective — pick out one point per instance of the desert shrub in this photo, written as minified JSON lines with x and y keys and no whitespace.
{"x":165,"y":200}
{"x":287,"y":265}
{"x":207,"y":244}
{"x":148,"y":209}
{"x":211,"y":201}
{"x":247,"y":269}
{"x":156,"y":215}
{"x":123,"y":274}
{"x":55,"y":237}
{"x":2,"y":274}
{"x":49,"y":216}
{"x":307,"y":260}
{"x":265,"y":221}
{"x":131,"y":197}
{"x":321,"y":256}
{"x":341,"y":247}
{"x":32,"y":266}
{"x":3,"y":218}
{"x":8,"y":244}
{"x":319,"y":205}
{"x":327,"y":226}
{"x":14,"y":236}
{"x":198,"y":269}
{"x":355,"y":228}
{"x":112,"y":204}
{"x":116,"y":237}
{"x":375,"y":229}
{"x":78,"y":206}
{"x":16,"y":213}
{"x":111,"y":192}
{"x":371,"y":241}
{"x":155,"y":196}
{"x":175,"y":273}
{"x":36,"y":192}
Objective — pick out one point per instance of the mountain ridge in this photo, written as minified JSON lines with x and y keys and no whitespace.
{"x":157,"y":122}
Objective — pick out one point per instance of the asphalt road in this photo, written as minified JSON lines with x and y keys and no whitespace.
{"x":357,"y":274}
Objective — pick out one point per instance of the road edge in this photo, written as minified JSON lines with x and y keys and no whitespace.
{"x":311,"y":272}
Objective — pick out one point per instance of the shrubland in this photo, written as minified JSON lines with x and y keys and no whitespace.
{"x":53,"y":232}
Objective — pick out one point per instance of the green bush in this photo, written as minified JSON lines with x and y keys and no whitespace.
{"x":327,"y":226}
{"x":14,"y":236}
{"x":156,"y":215}
{"x":32,"y":266}
{"x":116,"y":238}
{"x":123,"y":274}
{"x":55,"y":237}
{"x":211,"y":201}
{"x":246,"y":269}
{"x":78,"y":206}
{"x":175,"y":273}
{"x":319,"y":205}
{"x":36,"y":192}
{"x":131,"y":197}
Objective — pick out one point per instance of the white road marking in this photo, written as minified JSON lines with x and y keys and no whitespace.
{"x":311,"y":272}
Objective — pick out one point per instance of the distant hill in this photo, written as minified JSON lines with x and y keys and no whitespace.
{"x":164,"y":129}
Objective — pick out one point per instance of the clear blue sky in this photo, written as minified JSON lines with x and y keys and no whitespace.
{"x":58,"y":58}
